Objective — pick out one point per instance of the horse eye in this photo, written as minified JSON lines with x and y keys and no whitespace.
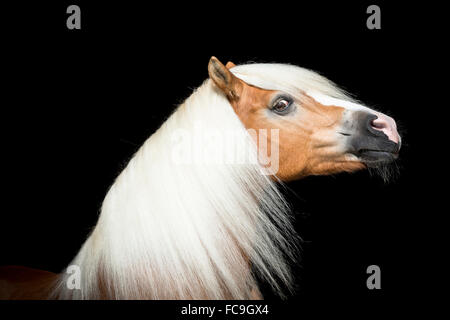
{"x":282,"y":106}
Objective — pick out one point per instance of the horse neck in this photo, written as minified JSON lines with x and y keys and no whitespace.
{"x":187,"y":230}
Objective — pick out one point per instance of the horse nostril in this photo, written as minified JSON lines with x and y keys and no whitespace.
{"x":378,"y":124}
{"x":386,"y":125}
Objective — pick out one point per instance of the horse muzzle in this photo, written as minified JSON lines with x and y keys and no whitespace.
{"x":372,"y":137}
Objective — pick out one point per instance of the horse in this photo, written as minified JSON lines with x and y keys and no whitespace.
{"x":176,"y":225}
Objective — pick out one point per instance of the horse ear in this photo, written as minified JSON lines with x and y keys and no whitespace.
{"x":230,"y":65}
{"x":224,"y":79}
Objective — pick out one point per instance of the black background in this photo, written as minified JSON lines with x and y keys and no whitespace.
{"x":78,"y":103}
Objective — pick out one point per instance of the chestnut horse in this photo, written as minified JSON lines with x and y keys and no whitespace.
{"x":174,"y":226}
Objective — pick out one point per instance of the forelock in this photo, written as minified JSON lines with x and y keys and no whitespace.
{"x":288,"y":78}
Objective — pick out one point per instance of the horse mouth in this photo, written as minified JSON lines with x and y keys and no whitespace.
{"x":372,"y":157}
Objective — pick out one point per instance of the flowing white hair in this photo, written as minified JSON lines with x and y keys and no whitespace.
{"x":188,"y":231}
{"x":288,"y":78}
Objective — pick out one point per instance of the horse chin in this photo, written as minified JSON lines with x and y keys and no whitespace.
{"x":381,"y":164}
{"x":377,"y":158}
